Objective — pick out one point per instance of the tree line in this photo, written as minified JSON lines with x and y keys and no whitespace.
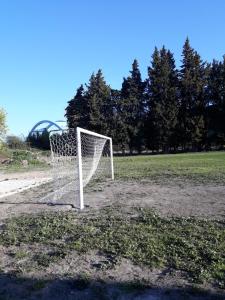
{"x":172,"y":109}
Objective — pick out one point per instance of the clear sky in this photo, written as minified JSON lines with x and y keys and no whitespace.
{"x":49,"y":47}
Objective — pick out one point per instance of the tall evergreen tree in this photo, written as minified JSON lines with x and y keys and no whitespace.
{"x":163,"y":100}
{"x":99,"y":103}
{"x":118,"y":126}
{"x":192,"y":98}
{"x":132,"y":107}
{"x":221,"y":104}
{"x":216,"y":96}
{"x":77,"y":110}
{"x":168,"y":109}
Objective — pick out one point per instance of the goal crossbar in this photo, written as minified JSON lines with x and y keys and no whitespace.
{"x":79,"y":129}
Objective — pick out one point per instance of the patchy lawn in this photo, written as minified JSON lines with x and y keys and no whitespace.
{"x":195,"y":247}
{"x":195,"y":167}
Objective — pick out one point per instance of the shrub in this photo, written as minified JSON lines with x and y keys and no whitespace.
{"x":15,"y":142}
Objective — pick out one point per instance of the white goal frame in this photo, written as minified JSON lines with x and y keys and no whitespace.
{"x":79,"y":131}
{"x":69,"y":164}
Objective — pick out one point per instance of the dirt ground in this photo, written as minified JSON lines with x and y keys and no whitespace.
{"x":176,"y":199}
{"x":50,"y":283}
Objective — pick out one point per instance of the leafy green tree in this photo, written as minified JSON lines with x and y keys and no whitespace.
{"x":193,"y":81}
{"x":163,"y":100}
{"x":132,"y":107}
{"x":3,"y":126}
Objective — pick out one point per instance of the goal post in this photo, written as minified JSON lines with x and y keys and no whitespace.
{"x":78,"y":157}
{"x":79,"y":131}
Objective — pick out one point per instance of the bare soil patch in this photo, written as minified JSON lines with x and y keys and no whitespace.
{"x":187,"y":200}
{"x":89,"y":277}
{"x":177,"y":199}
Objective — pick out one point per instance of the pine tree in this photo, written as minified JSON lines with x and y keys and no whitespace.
{"x":192,"y":98}
{"x":151,"y":91}
{"x":216,"y":96}
{"x":44,"y":140}
{"x":222,"y":97}
{"x":77,"y":110}
{"x":99,"y":103}
{"x":118,"y":126}
{"x":163,"y":100}
{"x":132,"y":107}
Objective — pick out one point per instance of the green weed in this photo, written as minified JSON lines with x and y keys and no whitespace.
{"x":196,"y":247}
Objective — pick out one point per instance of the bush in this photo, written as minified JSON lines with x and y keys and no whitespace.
{"x":15,"y":142}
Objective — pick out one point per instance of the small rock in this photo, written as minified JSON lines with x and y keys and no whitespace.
{"x":24,"y":163}
{"x":6,"y":161}
{"x":2,"y":226}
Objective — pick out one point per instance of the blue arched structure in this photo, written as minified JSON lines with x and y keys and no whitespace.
{"x":47,"y":125}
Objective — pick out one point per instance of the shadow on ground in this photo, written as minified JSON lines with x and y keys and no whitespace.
{"x":16,"y":287}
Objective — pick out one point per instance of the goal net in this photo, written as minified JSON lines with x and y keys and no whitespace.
{"x":79,"y":157}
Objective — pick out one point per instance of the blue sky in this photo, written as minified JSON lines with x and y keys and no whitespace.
{"x":49,"y":47}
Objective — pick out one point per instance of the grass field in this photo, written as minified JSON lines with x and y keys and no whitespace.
{"x":198,"y":167}
{"x":194,"y":248}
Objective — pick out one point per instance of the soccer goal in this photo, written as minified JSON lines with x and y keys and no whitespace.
{"x":79,"y":156}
